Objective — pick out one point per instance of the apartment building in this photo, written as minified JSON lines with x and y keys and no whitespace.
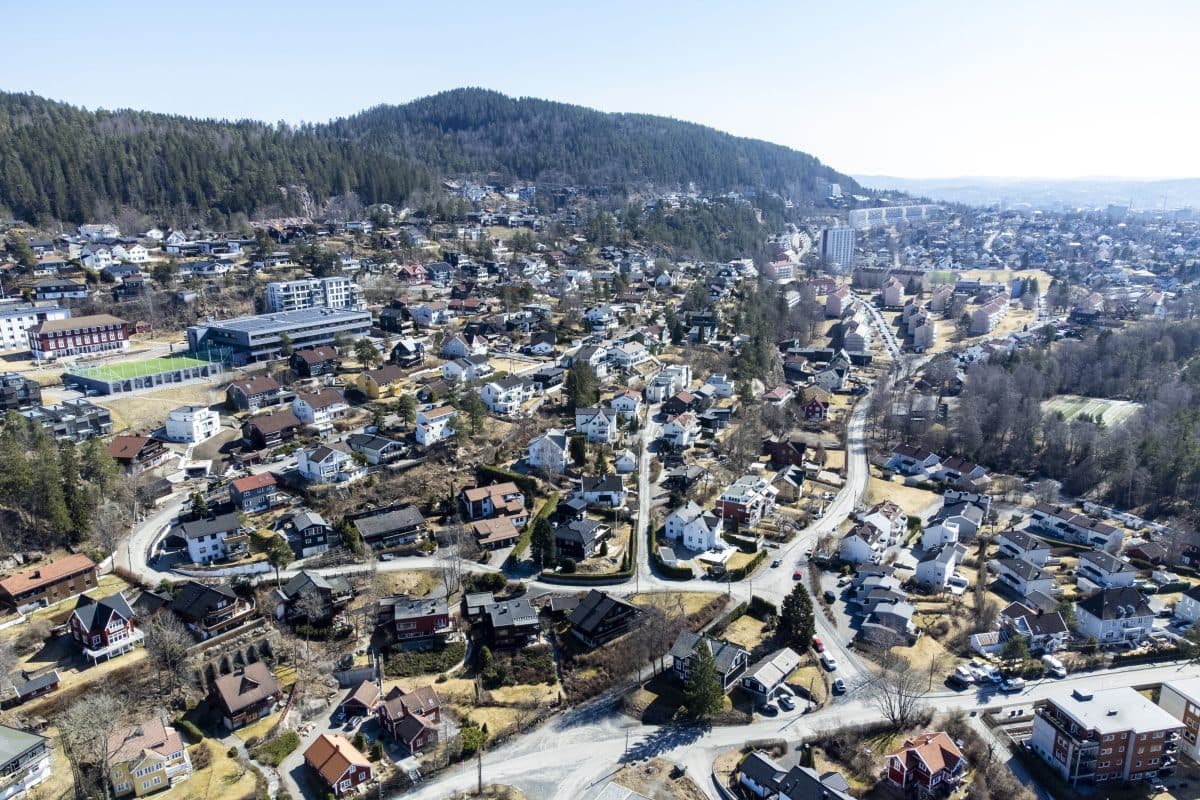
{"x":332,"y":292}
{"x":1091,"y":737}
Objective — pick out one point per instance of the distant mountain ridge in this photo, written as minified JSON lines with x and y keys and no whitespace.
{"x":59,"y":161}
{"x":1098,"y":192}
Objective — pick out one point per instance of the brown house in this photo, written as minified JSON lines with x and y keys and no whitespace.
{"x":47,"y":584}
{"x":411,"y":717}
{"x":268,"y":430}
{"x":339,"y":764}
{"x":245,"y":697}
{"x":137,"y":453}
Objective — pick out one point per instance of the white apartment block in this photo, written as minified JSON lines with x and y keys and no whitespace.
{"x":17,"y":318}
{"x":192,"y":424}
{"x":332,"y":292}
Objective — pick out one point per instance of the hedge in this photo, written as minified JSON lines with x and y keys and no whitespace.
{"x":737,"y":612}
{"x":741,"y":542}
{"x":518,"y":551}
{"x":741,"y":572}
{"x":190,"y":730}
{"x":668,"y":570}
{"x":276,"y":750}
{"x":525,"y":483}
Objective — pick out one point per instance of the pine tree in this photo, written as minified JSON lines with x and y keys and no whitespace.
{"x":541,"y":542}
{"x":702,"y":693}
{"x":406,"y":409}
{"x":796,"y":623}
{"x":49,"y":504}
{"x":99,"y":468}
{"x":75,"y":495}
{"x":582,"y":386}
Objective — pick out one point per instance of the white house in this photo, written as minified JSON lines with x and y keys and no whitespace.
{"x":549,"y":451}
{"x":629,"y":355}
{"x":888,"y":518}
{"x":192,"y":424}
{"x":1114,"y":615}
{"x":1023,"y":578}
{"x":1188,"y":607}
{"x":427,"y":315}
{"x":324,"y":464}
{"x":861,"y":544}
{"x":603,"y":490}
{"x":461,"y":346}
{"x":937,"y":566}
{"x":468,"y":370}
{"x":627,"y":403}
{"x":909,"y":459}
{"x":721,"y":385}
{"x":320,"y":408}
{"x":939,"y":535}
{"x":681,"y":430}
{"x":130,"y":254}
{"x":214,"y":538}
{"x":1019,"y":544}
{"x":697,"y":529}
{"x":434,"y":425}
{"x":506,"y":395}
{"x":625,"y":462}
{"x":1097,"y":569}
{"x":672,"y":379}
{"x":598,"y":424}
{"x":601,"y":318}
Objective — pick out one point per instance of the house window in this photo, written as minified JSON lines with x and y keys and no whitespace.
{"x":1103,"y":764}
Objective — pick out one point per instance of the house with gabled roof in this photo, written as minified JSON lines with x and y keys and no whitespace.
{"x":731,"y":660}
{"x":136,"y":454}
{"x":1099,"y":570}
{"x":329,"y":464}
{"x":338,"y":764}
{"x":244,"y":697}
{"x":600,"y":617}
{"x":1021,"y":577}
{"x":1046,"y":631}
{"x":312,"y":362}
{"x":598,"y":424}
{"x":209,"y":611}
{"x":908,"y":459}
{"x":930,"y":762}
{"x":1114,"y":615}
{"x":146,"y":757}
{"x":411,"y":717}
{"x":549,"y":451}
{"x":253,"y":493}
{"x":320,"y":408}
{"x":385,"y":381}
{"x":254,"y":394}
{"x":104,"y":628}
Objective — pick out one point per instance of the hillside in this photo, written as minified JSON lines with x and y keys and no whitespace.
{"x":61,"y":162}
{"x":477,"y":131}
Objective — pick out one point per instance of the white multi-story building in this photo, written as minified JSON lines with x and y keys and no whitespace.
{"x":697,"y":529}
{"x":332,"y":292}
{"x":17,"y":318}
{"x":192,"y":424}
{"x":837,"y":246}
{"x":434,"y":425}
{"x":324,"y":464}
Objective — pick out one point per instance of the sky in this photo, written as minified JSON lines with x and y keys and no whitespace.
{"x":913,"y":89}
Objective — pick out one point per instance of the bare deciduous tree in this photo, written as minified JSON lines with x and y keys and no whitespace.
{"x":167,"y":644}
{"x":88,"y":730}
{"x":897,"y":690}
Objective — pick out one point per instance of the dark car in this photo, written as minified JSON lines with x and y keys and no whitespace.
{"x":829,"y":596}
{"x":769,"y":710}
{"x":839,"y":686}
{"x":956,"y":683}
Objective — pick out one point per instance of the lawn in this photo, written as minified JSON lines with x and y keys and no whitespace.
{"x":810,"y":679}
{"x":745,"y":631}
{"x":259,"y":729}
{"x":669,"y":601}
{"x":414,"y":583}
{"x":1110,"y":412}
{"x":835,"y":460}
{"x":656,"y":780}
{"x":912,"y":501}
{"x":225,"y":777}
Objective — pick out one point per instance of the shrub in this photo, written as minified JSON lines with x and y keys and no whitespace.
{"x":567,"y":565}
{"x":276,"y":750}
{"x":231,"y":752}
{"x":201,"y":756}
{"x":406,"y":663}
{"x":472,"y":738}
{"x":376,"y":750}
{"x":190,"y":730}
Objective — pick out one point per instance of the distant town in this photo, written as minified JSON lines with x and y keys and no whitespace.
{"x":496,"y":498}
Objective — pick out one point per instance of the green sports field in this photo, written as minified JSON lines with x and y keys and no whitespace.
{"x":126,"y":370}
{"x":1110,"y":412}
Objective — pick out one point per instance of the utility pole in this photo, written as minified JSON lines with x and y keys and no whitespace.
{"x":479,"y":771}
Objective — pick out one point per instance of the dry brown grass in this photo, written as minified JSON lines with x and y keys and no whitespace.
{"x":147,"y":411}
{"x":745,"y":631}
{"x":669,"y":601}
{"x":911,"y":500}
{"x":653,"y":779}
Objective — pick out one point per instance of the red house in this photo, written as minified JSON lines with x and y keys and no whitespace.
{"x":104,"y":628}
{"x":415,"y":619}
{"x":411,"y":717}
{"x":70,"y":337}
{"x":816,"y":410}
{"x":339,"y":764}
{"x":930,"y":761}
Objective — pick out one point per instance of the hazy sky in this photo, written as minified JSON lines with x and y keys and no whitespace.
{"x":919,"y":89}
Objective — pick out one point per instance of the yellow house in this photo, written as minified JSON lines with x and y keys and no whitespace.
{"x":145,"y":758}
{"x":382,"y":382}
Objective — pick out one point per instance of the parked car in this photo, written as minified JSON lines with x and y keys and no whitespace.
{"x":787,"y":703}
{"x":1012,"y":685}
{"x":798,"y":575}
{"x":776,"y":563}
{"x":769,"y":709}
{"x":829,"y":662}
{"x":817,"y":644}
{"x":829,"y":596}
{"x":839,"y":686}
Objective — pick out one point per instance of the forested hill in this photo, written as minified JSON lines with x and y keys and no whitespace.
{"x":61,"y":162}
{"x":479,"y":131}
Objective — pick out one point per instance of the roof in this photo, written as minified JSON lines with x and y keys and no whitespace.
{"x":366,"y":693}
{"x":595,"y":607}
{"x":388,"y":373}
{"x":251,"y":482}
{"x":1024,"y":541}
{"x":1105,"y":562}
{"x":199,"y":528}
{"x":1113,"y":710}
{"x":1039,"y":623}
{"x":76,"y":323}
{"x":1024,"y":570}
{"x":316,"y":355}
{"x":95,"y":614}
{"x":937,"y":750}
{"x":1117,"y":603}
{"x":420,"y":607}
{"x":773,"y":669}
{"x":255,"y":684}
{"x":15,"y":743}
{"x":371,"y":441}
{"x":259,"y":385}
{"x":391,"y":520}
{"x":45,"y":574}
{"x":494,"y":529}
{"x":126,"y":447}
{"x":150,"y":735}
{"x":274,"y":422}
{"x":331,"y":756}
{"x":325,"y":398}
{"x":494,"y":491}
{"x":195,"y":600}
{"x":603,"y":483}
{"x":724,"y":654}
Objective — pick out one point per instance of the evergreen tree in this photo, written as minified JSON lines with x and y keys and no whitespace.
{"x":796,"y":623}
{"x":199,"y":505}
{"x":702,"y":693}
{"x":99,"y":468}
{"x":578,"y":448}
{"x":541,"y":542}
{"x":366,"y":352}
{"x":582,"y":387}
{"x":50,"y":505}
{"x":75,"y":495}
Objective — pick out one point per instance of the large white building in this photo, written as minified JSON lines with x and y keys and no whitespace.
{"x":434,"y":425}
{"x":332,"y":292}
{"x":192,"y":424}
{"x":17,"y":318}
{"x":837,"y":246}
